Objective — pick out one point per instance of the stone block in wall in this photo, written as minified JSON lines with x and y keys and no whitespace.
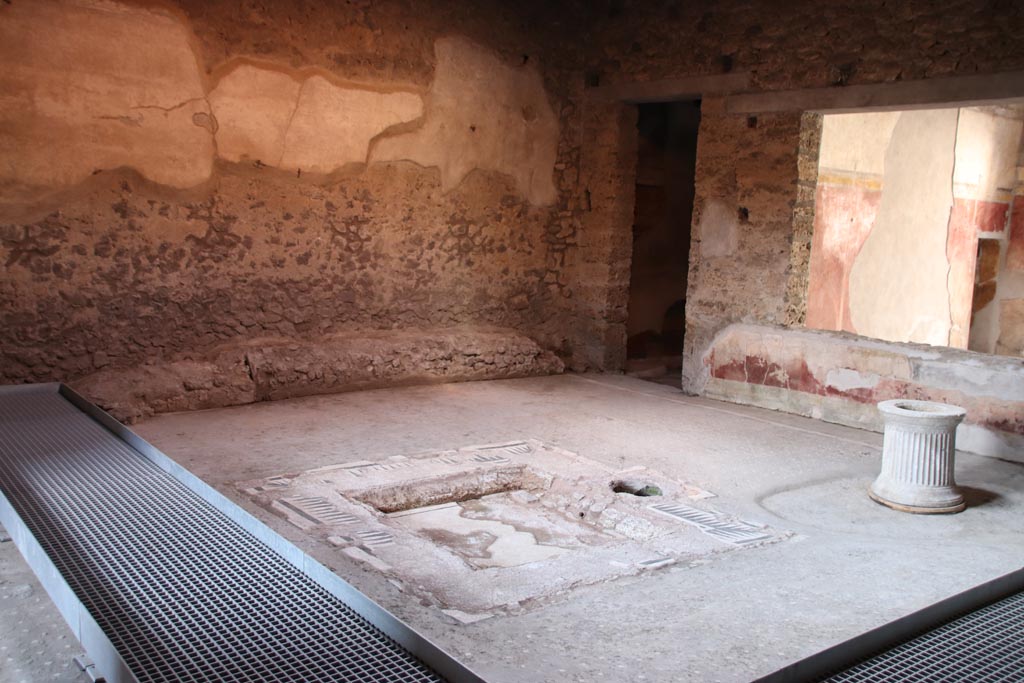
{"x":277,"y":368}
{"x":839,"y":377}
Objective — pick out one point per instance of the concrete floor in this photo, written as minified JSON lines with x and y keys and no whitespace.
{"x":850,"y":566}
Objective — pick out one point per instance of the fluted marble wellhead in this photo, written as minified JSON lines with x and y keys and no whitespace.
{"x":918,"y":457}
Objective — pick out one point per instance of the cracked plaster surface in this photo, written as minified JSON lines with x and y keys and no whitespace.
{"x":482,"y":114}
{"x":887,"y":299}
{"x":308,"y":124}
{"x":93,"y":85}
{"x":109,"y":86}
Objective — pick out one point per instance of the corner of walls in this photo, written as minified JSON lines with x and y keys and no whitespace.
{"x":748,"y":190}
{"x":803,"y":219}
{"x":607,"y":186}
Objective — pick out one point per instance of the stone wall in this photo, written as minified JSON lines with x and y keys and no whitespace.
{"x":840,"y":378}
{"x":177,"y":177}
{"x":804,"y":43}
{"x":275,"y":368}
{"x":749,"y":254}
{"x":742,"y":225}
{"x":602,"y":260}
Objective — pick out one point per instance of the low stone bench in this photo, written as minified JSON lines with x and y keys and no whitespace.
{"x":270,"y":369}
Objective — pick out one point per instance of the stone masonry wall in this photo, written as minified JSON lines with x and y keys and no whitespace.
{"x":285,"y":367}
{"x":177,"y":177}
{"x":742,"y":224}
{"x":805,"y":43}
{"x":839,"y":377}
{"x":607,"y":173}
{"x":748,"y":258}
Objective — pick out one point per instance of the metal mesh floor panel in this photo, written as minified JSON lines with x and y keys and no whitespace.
{"x":182,"y":592}
{"x":986,"y":645}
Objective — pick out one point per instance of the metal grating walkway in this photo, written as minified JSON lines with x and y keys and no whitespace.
{"x":986,"y":645}
{"x":182,"y":592}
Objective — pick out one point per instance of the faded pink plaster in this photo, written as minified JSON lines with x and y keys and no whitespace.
{"x":967,"y":218}
{"x":787,"y":368}
{"x":756,"y":370}
{"x":1015,"y":251}
{"x":843,"y":217}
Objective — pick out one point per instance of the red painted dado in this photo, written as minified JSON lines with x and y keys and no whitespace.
{"x":840,"y":377}
{"x":1015,"y":252}
{"x":794,"y":375}
{"x":843,"y":217}
{"x":755,"y":370}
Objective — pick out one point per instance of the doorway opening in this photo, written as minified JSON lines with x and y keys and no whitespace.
{"x":666,"y":162}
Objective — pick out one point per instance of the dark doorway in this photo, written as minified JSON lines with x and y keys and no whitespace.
{"x":661,"y":239}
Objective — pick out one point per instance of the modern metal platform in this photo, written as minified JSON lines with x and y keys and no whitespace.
{"x":163,"y":579}
{"x":984,"y":645}
{"x":975,"y":636}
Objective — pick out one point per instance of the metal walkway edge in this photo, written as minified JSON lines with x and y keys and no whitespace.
{"x":975,"y":636}
{"x":163,"y":579}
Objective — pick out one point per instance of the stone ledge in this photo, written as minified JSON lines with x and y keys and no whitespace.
{"x":275,"y":368}
{"x":839,"y":377}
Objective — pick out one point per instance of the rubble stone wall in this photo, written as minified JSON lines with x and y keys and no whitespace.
{"x":177,"y":178}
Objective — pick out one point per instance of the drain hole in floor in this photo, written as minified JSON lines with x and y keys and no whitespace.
{"x":636,"y":488}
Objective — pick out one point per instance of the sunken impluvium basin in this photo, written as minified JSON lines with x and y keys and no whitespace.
{"x":501,"y":527}
{"x":918,"y":457}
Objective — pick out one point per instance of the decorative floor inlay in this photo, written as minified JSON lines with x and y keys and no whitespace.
{"x":714,"y":524}
{"x":502,"y":526}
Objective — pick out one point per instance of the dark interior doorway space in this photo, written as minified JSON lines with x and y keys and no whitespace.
{"x":661,"y":239}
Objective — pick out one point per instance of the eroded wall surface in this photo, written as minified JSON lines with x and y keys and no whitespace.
{"x":177,"y":177}
{"x":92,"y":86}
{"x":840,"y":378}
{"x":743,"y":214}
{"x":280,"y":172}
{"x":483,"y":114}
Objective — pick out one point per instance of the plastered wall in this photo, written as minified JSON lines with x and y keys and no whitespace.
{"x":902,"y":200}
{"x":180,"y":177}
{"x":840,"y":378}
{"x":176,"y":177}
{"x":997,"y":323}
